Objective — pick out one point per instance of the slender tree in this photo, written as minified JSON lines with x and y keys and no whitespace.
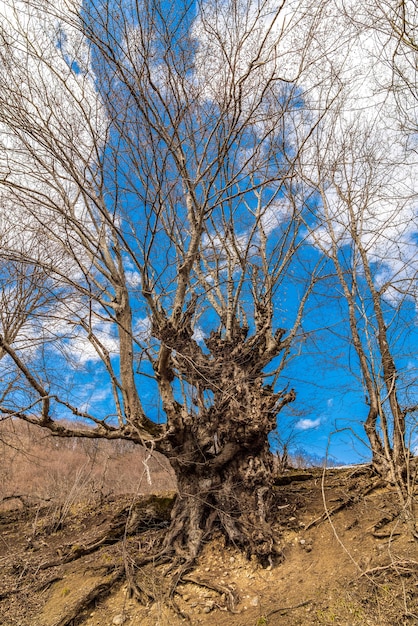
{"x":361,"y":164}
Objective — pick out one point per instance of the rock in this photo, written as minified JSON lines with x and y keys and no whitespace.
{"x":209,"y":606}
{"x":118,"y":620}
{"x":255,"y":601}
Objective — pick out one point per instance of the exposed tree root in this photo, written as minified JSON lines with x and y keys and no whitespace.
{"x":160,"y":539}
{"x":147,"y":513}
{"x":143,"y":595}
{"x":386,"y":535}
{"x":45,"y":584}
{"x":85,"y":601}
{"x":230,"y":595}
{"x":295,"y":477}
{"x":382,"y":523}
{"x":72,"y":552}
{"x":167,"y":581}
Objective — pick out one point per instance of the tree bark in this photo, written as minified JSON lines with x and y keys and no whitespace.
{"x":218,"y":446}
{"x":133,"y":411}
{"x":232,"y":492}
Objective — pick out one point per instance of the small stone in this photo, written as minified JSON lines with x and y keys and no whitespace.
{"x":255,"y":601}
{"x":232,"y":559}
{"x":302,"y":542}
{"x":118,"y":620}
{"x":209,"y":606}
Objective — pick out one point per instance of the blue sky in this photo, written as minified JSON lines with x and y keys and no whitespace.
{"x":330,"y":404}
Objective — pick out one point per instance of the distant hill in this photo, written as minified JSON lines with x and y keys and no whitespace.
{"x":37,"y":466}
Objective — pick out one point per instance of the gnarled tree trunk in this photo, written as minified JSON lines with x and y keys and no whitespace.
{"x":231,"y":492}
{"x":219,"y":447}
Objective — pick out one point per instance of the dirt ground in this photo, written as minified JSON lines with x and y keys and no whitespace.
{"x":346,"y":559}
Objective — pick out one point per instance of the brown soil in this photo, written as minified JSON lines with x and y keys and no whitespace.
{"x":347,"y":560}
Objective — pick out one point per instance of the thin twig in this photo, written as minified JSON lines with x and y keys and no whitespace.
{"x":288,"y":608}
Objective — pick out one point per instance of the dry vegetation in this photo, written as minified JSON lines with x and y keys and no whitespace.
{"x":75,"y":516}
{"x":37,"y":468}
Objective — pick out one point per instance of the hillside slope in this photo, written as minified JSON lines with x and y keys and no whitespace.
{"x":347,"y":560}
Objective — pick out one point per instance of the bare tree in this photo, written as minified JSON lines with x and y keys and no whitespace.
{"x":150,"y":152}
{"x":376,"y":324}
{"x":361,"y":164}
{"x":395,"y":24}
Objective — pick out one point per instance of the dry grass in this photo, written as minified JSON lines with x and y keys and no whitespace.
{"x":34,"y":466}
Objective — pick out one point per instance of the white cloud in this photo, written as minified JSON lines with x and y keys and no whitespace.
{"x":274,"y":215}
{"x":142,"y":328}
{"x":198,"y":334}
{"x":48,"y":99}
{"x":362,"y":148}
{"x":94,"y":396}
{"x":133,"y":279}
{"x":81,"y":349}
{"x":239,"y":43}
{"x":55,"y":329}
{"x":307,"y":424}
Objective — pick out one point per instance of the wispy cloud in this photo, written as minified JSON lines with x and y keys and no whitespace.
{"x":307,"y":424}
{"x":362,"y":148}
